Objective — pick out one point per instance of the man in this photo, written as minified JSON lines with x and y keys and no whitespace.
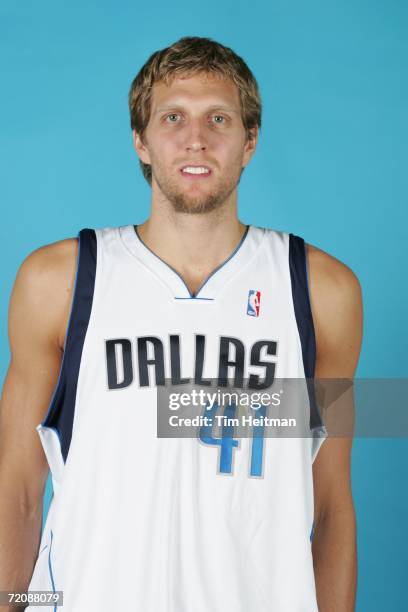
{"x":98,"y":325}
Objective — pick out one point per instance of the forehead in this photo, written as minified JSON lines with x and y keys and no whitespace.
{"x":202,"y":88}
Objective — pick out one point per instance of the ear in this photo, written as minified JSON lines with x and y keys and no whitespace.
{"x":250,"y":145}
{"x":140,"y":148}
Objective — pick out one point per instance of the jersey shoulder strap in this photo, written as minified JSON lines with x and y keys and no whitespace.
{"x":60,"y":414}
{"x":299,"y":277}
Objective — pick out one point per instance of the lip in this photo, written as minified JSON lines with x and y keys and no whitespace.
{"x":195,"y":176}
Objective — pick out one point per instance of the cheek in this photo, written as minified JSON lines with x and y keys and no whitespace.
{"x":234,"y":155}
{"x":161,"y":151}
{"x":168,"y":145}
{"x":231,"y":145}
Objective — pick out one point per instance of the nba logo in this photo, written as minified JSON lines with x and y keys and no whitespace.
{"x":254,"y":302}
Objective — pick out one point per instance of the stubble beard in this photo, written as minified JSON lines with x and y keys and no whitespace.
{"x":183,"y":202}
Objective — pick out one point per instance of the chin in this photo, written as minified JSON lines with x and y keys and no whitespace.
{"x":195,"y":207}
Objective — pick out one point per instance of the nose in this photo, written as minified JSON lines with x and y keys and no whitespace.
{"x":195,"y":137}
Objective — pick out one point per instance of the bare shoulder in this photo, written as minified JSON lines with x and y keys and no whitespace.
{"x":43,"y":287}
{"x":48,"y":262}
{"x":336,"y":300}
{"x":331,"y":273}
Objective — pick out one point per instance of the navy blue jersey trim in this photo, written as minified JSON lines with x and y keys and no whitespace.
{"x":194,"y":296}
{"x":60,"y":415}
{"x":304,"y":319}
{"x":50,"y":569}
{"x":241,"y":242}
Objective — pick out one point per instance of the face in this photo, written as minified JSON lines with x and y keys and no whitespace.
{"x":195,"y":142}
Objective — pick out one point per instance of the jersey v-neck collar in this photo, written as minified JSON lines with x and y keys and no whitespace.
{"x":214,"y":282}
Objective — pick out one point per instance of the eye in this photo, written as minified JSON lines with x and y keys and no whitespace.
{"x":219,"y":117}
{"x":170,"y":117}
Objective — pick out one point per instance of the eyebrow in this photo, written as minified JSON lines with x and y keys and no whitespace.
{"x":212,"y":107}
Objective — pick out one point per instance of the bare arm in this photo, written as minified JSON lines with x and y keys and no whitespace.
{"x":38,"y":315}
{"x":337,"y":312}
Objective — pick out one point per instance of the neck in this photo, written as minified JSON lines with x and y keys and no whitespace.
{"x":193,"y":244}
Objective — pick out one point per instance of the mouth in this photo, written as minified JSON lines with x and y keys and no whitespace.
{"x":195,"y":172}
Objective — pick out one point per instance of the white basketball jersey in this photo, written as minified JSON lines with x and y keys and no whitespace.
{"x":146,"y":523}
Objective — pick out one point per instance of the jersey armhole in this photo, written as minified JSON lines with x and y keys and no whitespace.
{"x":301,"y":301}
{"x":60,"y":414}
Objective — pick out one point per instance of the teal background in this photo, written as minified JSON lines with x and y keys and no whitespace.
{"x":330,"y":166}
